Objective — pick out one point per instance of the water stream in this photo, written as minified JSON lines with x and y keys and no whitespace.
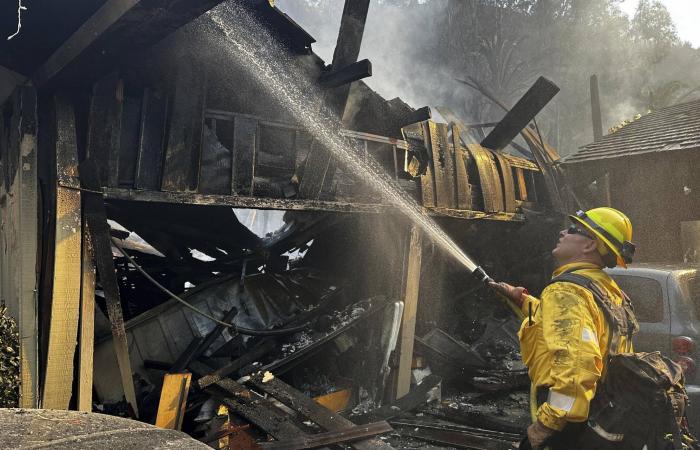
{"x":236,"y":31}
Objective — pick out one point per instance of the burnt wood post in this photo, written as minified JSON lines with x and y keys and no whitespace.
{"x":96,"y":220}
{"x":319,"y":170}
{"x":408,"y":321}
{"x":521,"y":114}
{"x":65,"y":296}
{"x":18,"y":231}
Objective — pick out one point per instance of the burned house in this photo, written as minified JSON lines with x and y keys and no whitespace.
{"x":648,"y":169}
{"x":138,"y":136}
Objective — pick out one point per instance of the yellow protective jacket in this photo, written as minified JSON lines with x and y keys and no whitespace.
{"x":565,"y":345}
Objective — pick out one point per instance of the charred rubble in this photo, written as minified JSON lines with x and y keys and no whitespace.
{"x":248,"y":289}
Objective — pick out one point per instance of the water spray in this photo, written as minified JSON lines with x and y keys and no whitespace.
{"x":246,"y":40}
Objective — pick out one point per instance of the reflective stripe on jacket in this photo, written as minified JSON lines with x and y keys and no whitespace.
{"x":566,"y":343}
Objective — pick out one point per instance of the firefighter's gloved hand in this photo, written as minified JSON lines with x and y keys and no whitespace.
{"x":538,"y":435}
{"x":515,"y":294}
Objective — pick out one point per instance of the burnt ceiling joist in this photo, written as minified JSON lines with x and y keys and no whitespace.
{"x":521,"y":114}
{"x":116,"y":30}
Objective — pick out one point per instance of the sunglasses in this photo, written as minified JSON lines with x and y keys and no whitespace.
{"x":573,"y":229}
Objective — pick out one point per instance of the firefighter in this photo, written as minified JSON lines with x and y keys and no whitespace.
{"x":564,"y":336}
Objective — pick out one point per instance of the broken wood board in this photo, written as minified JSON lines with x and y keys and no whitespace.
{"x":96,"y":218}
{"x":489,"y":179}
{"x":262,"y":412}
{"x":18,"y":211}
{"x":329,"y":437}
{"x":65,"y":298}
{"x":418,"y":396}
{"x":457,"y":439}
{"x":408,"y":321}
{"x":87,"y":324}
{"x":461,"y":158}
{"x":173,"y":400}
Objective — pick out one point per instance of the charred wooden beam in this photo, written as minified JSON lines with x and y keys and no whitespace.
{"x":115,"y":31}
{"x":414,"y":254}
{"x":418,"y":396}
{"x":290,"y":204}
{"x":96,"y":219}
{"x":521,"y":114}
{"x":330,"y":437}
{"x":325,"y":418}
{"x":65,"y":295}
{"x":319,"y":171}
{"x":345,"y":75}
{"x":420,"y":115}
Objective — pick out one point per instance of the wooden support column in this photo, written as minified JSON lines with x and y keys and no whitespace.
{"x":96,"y":220}
{"x":65,"y":300}
{"x":87,"y":324}
{"x":18,"y":231}
{"x":408,"y":321}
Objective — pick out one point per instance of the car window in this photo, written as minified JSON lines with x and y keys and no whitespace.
{"x":646,"y":295}
{"x":691,"y":289}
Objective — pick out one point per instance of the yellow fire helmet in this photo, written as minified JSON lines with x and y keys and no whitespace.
{"x":613,"y":230}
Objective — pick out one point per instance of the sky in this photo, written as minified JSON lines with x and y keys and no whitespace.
{"x":685,"y":13}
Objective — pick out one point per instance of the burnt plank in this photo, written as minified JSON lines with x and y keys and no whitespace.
{"x":129,"y":140}
{"x":522,"y":185}
{"x":184,"y":143}
{"x":507,"y":182}
{"x":249,"y":405}
{"x":415,"y":398}
{"x":330,"y":438}
{"x":325,"y":418}
{"x":320,"y":168}
{"x":65,"y":295}
{"x":348,"y":74}
{"x":521,"y":114}
{"x":149,"y":164}
{"x":264,"y":347}
{"x":245,"y":137}
{"x":299,"y":402}
{"x":117,"y":30}
{"x":447,"y":155}
{"x":418,"y":396}
{"x":464,"y":193}
{"x":104,"y":128}
{"x":437,"y":162}
{"x":96,"y":219}
{"x":186,"y":356}
{"x":347,"y":47}
{"x":489,"y":179}
{"x":204,"y":343}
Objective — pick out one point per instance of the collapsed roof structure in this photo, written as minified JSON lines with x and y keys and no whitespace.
{"x":164,"y":120}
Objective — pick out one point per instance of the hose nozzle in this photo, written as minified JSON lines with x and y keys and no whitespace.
{"x":481,"y":275}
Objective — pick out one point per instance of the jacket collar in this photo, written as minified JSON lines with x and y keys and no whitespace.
{"x":574,"y":266}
